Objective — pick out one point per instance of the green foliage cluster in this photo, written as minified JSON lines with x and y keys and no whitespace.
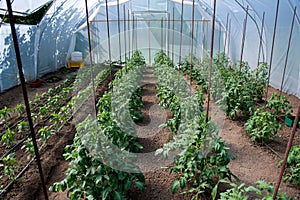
{"x":203,"y":156}
{"x":241,"y":192}
{"x":292,"y":174}
{"x":54,"y":106}
{"x":263,"y":124}
{"x":89,"y":175}
{"x":234,"y":87}
{"x":242,"y":87}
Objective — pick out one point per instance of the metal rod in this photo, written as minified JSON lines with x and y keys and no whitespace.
{"x":288,"y":148}
{"x":244,"y":37}
{"x":181,"y":29}
{"x":136,"y":34}
{"x":272,"y":48}
{"x":168,"y":36}
{"x":161,"y":34}
{"x":211,"y":58}
{"x":197,"y":31}
{"x":192,"y":42}
{"x":108,"y":36}
{"x":229,"y":34}
{"x":173,"y":32}
{"x":153,"y":20}
{"x":25,"y":95}
{"x":226,"y":32}
{"x":206,"y":45}
{"x":219,"y":44}
{"x":260,"y":37}
{"x":132,"y":34}
{"x":129,"y":50}
{"x":149,"y":42}
{"x":125,"y":45}
{"x":202,"y":40}
{"x":119,"y":30}
{"x":91,"y":59}
{"x":288,"y":50}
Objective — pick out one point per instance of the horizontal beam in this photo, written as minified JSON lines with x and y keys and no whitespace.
{"x":151,"y":20}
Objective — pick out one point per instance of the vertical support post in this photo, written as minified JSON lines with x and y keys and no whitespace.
{"x":133,"y":34}
{"x":226,"y":33}
{"x":229,"y":34}
{"x":181,"y":29}
{"x":173,"y":32}
{"x":211,"y":58}
{"x":197,"y":30}
{"x":161,"y":34}
{"x":136,"y":33}
{"x":260,"y":38}
{"x":91,"y":59}
{"x":129,"y":50}
{"x":124,"y":24}
{"x":272,"y":48}
{"x":202,"y":39}
{"x":219,"y":44}
{"x":25,"y":95}
{"x":244,"y":37}
{"x":192,"y":42}
{"x":149,"y":41}
{"x":288,"y":148}
{"x":168,"y":35}
{"x":288,"y":50}
{"x":108,"y":36}
{"x":119,"y":30}
{"x":206,"y":37}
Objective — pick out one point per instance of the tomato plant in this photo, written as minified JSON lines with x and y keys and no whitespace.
{"x":201,"y":160}
{"x":241,"y":192}
{"x":262,"y":125}
{"x":292,"y":174}
{"x":279,"y":104}
{"x":88,"y":176}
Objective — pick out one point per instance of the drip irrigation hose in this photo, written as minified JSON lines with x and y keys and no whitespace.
{"x":9,"y":185}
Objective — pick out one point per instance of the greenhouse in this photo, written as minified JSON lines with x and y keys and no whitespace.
{"x":131,"y":99}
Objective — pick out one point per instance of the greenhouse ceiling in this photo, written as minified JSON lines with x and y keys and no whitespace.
{"x":47,"y":46}
{"x":22,"y":7}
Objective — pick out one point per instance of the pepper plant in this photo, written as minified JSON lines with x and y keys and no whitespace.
{"x":279,"y":105}
{"x":203,"y":155}
{"x":292,"y":173}
{"x":262,"y":125}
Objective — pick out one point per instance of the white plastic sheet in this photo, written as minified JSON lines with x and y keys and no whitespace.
{"x":22,"y":7}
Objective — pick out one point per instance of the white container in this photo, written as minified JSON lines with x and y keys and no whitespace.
{"x":76,"y":56}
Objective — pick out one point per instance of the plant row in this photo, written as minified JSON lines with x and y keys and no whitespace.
{"x":56,"y":112}
{"x":204,"y":168}
{"x":203,"y":158}
{"x":101,"y":166}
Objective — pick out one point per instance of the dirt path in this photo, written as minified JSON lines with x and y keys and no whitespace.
{"x":158,"y":181}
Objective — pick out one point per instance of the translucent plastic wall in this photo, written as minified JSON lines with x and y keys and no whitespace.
{"x":148,"y":26}
{"x":235,"y":10}
{"x":55,"y":33}
{"x":8,"y":66}
{"x":22,"y":7}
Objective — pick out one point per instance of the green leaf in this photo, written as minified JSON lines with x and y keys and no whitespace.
{"x":214,"y":192}
{"x":175,"y":186}
{"x":118,"y":196}
{"x":105,"y":193}
{"x":140,"y":185}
